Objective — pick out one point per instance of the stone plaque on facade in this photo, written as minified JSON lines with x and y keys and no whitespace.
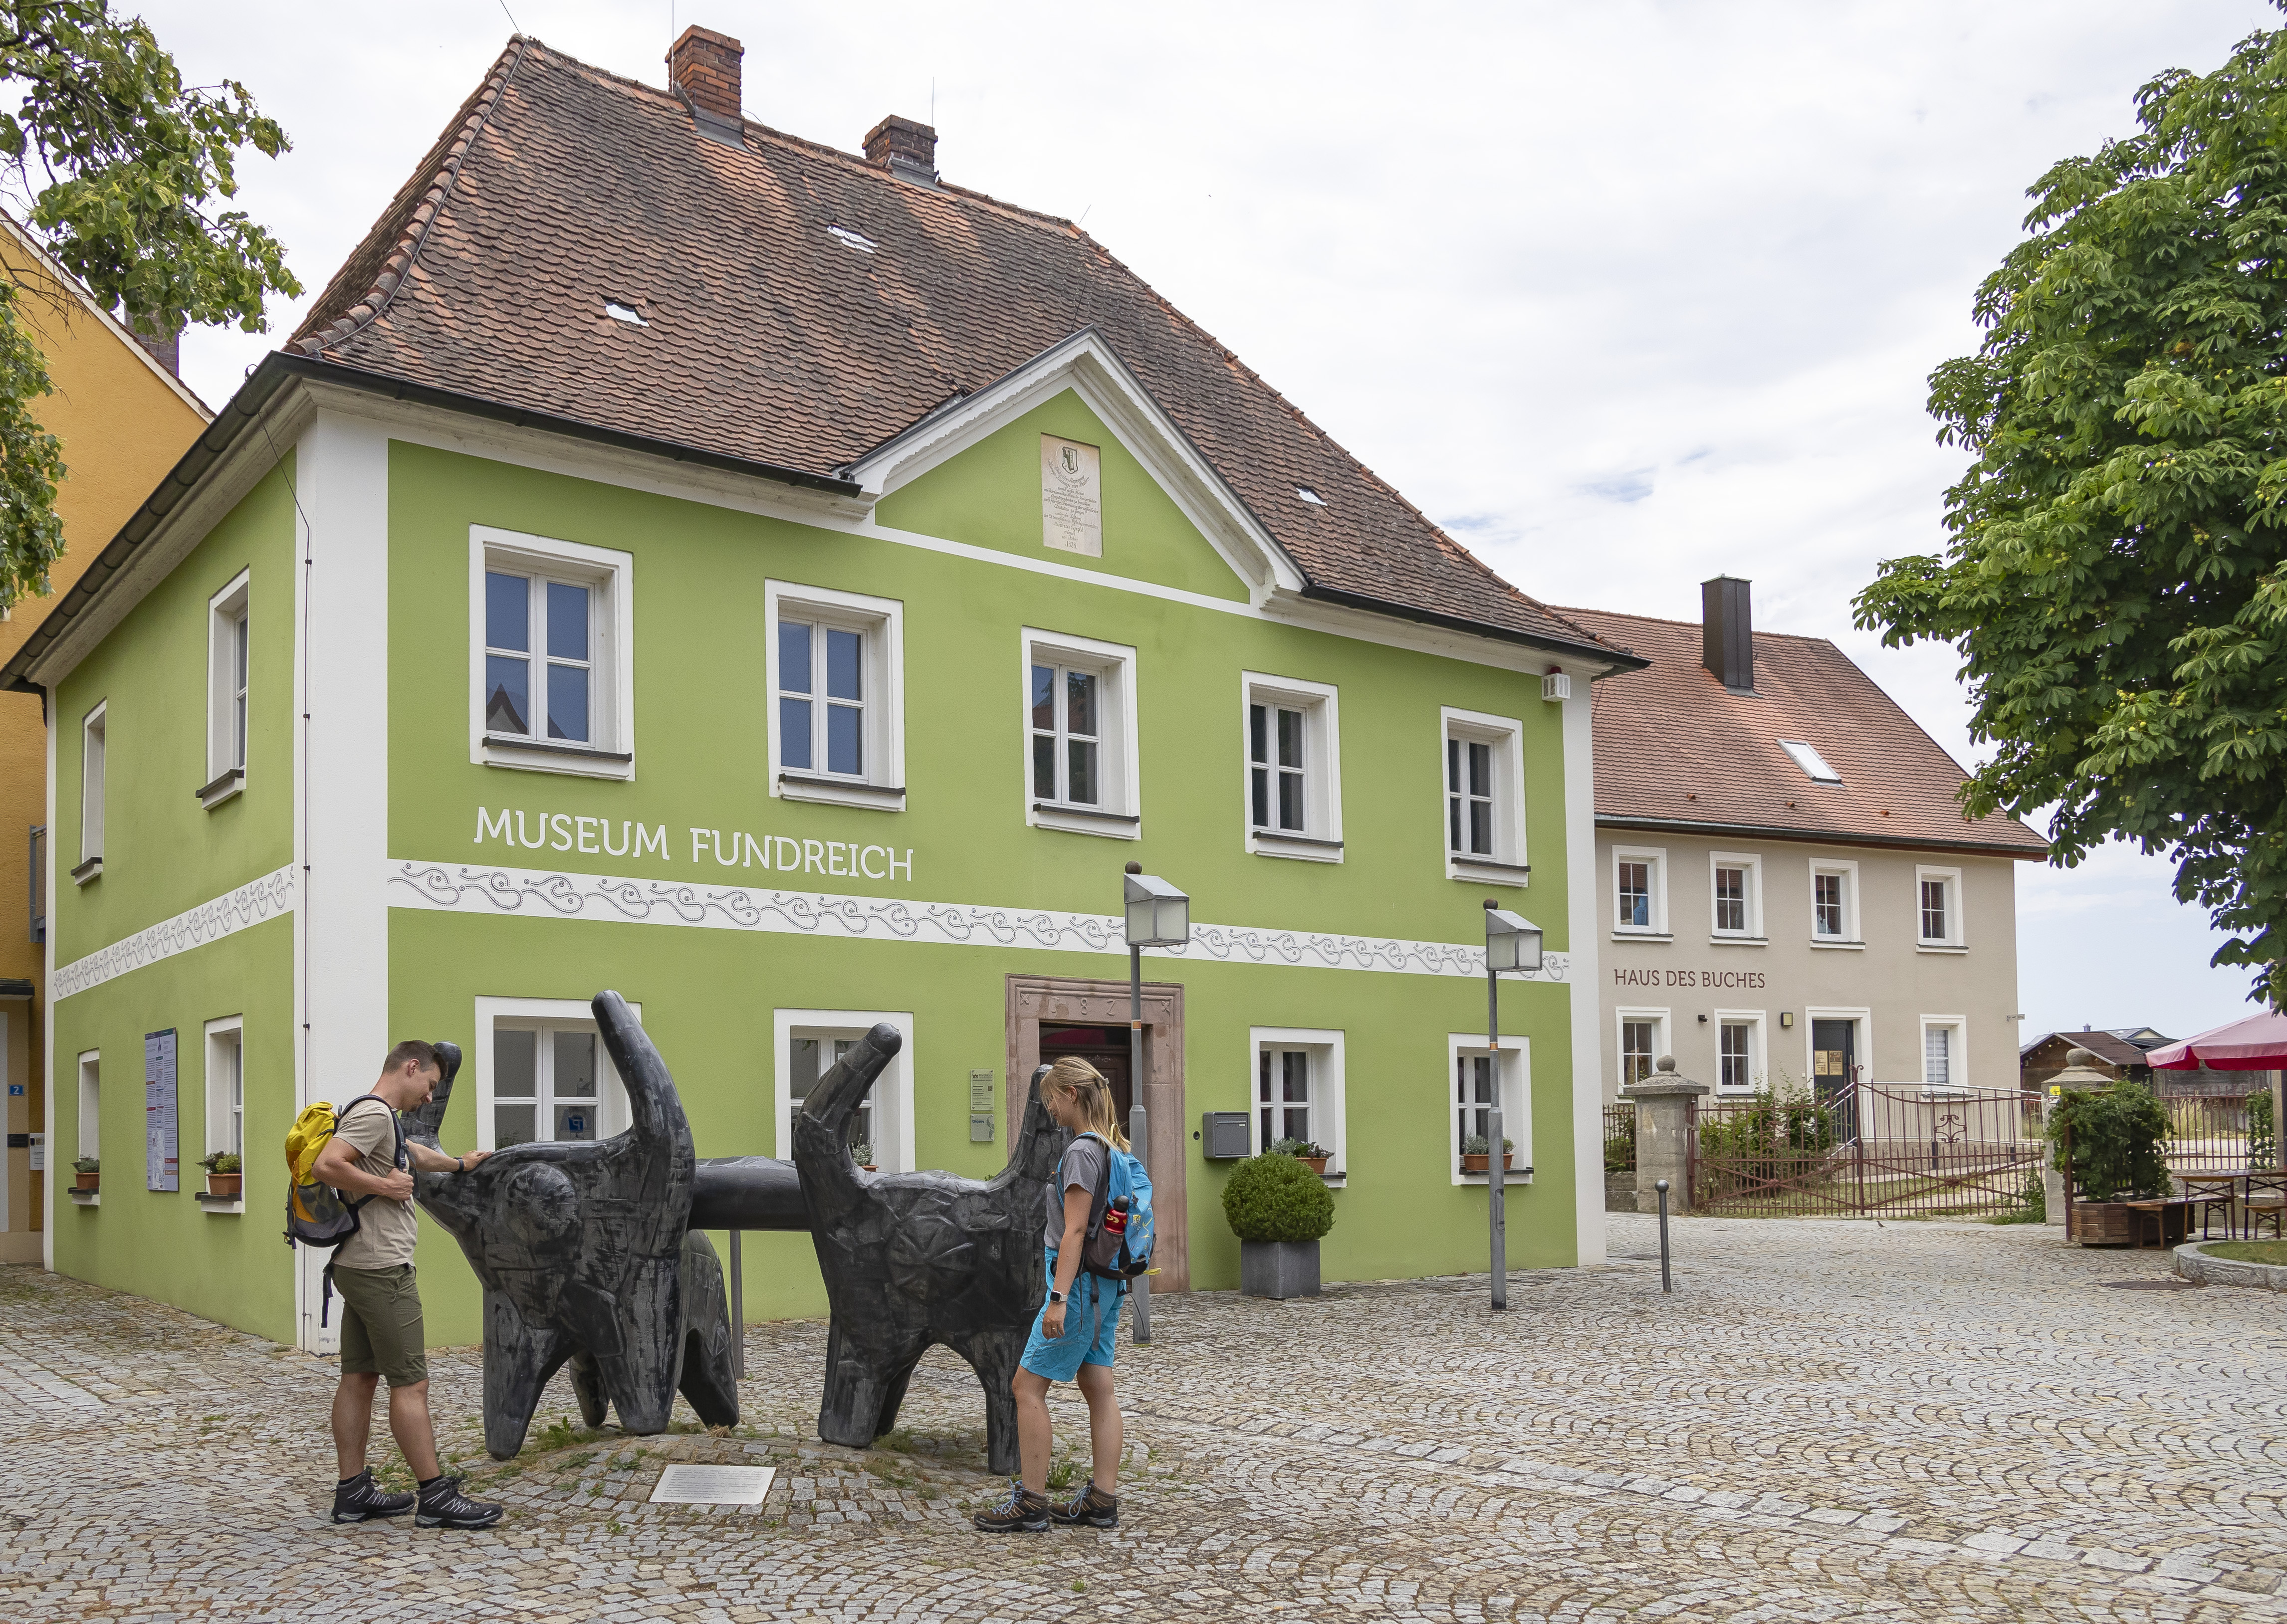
{"x":1071,"y":496}
{"x":688,"y":1485}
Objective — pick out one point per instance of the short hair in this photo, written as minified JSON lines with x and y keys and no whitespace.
{"x":413,"y":1049}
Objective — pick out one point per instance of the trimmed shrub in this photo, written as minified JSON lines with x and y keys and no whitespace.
{"x":2115,"y":1140}
{"x":1273,"y":1197}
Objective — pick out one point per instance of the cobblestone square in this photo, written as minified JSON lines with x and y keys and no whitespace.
{"x":1831,"y":1420}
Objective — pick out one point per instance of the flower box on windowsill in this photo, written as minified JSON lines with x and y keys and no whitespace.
{"x":1481,"y":1166}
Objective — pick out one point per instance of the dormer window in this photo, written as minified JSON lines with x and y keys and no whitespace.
{"x":1811,"y":762}
{"x":619,"y":311}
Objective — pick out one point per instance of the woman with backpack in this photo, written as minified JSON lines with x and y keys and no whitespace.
{"x":1077,"y":1329}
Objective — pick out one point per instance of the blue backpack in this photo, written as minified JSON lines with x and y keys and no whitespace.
{"x":1119,"y":1235}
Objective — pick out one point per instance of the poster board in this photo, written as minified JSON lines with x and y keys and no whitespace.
{"x":160,"y":1171}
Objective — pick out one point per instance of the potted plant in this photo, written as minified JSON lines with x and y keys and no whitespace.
{"x":1476,"y":1155}
{"x":862,"y":1154}
{"x":223,"y":1175}
{"x":1281,"y":1210}
{"x":1303,"y":1150}
{"x":2109,"y":1144}
{"x":87,"y":1168}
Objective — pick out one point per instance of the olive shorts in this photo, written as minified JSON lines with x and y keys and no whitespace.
{"x":381,"y":1324}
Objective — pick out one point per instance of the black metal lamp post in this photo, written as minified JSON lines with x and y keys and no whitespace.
{"x":1158,"y":915}
{"x":1512,"y":945}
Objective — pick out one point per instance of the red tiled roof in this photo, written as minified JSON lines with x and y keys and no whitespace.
{"x":559,"y":187}
{"x":1674,"y":747}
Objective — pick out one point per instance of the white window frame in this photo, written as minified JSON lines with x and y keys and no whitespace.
{"x":1324,"y":1044}
{"x":226,"y":1076}
{"x":610,"y":577}
{"x":613,"y":1113}
{"x":1852,"y":937}
{"x":1861,"y":1043}
{"x":1119,"y":813}
{"x":1621,"y":1018}
{"x":1509,"y":866}
{"x":1956,"y":1060}
{"x":1752,"y":933}
{"x":1954,"y":941}
{"x":1320,"y":838}
{"x":1655,"y":858}
{"x":891,"y":1097}
{"x":229,"y":695}
{"x":93,"y":771}
{"x":91,"y":1105}
{"x":1512,"y":1077}
{"x":882,"y":621}
{"x":1759,"y":1063}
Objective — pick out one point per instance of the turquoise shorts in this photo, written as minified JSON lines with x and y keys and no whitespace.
{"x":1091,"y":1327}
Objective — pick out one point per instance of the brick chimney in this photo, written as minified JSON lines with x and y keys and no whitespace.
{"x":702,"y":67}
{"x":1727,"y":631}
{"x":905,"y":148}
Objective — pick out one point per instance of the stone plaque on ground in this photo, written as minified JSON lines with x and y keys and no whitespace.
{"x":688,"y":1485}
{"x":1071,"y":496}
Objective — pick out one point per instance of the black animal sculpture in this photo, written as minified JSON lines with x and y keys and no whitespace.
{"x":911,"y":1259}
{"x":585,"y":1254}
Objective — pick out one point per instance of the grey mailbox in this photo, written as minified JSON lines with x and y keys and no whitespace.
{"x":1222,"y":1136}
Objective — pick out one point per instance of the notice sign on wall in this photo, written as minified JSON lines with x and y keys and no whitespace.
{"x":1071,"y":496}
{"x":160,"y":1169}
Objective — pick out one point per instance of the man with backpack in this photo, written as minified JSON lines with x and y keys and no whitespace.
{"x":370,"y":1161}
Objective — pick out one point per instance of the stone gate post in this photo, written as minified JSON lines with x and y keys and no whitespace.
{"x":1662,"y":1103}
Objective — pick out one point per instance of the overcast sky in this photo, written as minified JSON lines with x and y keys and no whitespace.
{"x":1624,"y":294}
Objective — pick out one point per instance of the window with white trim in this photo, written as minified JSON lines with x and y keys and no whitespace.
{"x":1475,"y":1077}
{"x":90,"y":795}
{"x":1482,"y":763}
{"x":1937,"y":907}
{"x":228,"y":652}
{"x":810,"y":1043}
{"x":226,"y":1085}
{"x":1736,"y":881}
{"x":543,"y":1075}
{"x":1945,"y":1060}
{"x":836,"y":676}
{"x":1740,"y":1067}
{"x":1291,"y":738}
{"x":91,"y":1103}
{"x":1298,"y":1090}
{"x":1642,"y":1040}
{"x":551,"y":684}
{"x":1640,"y":890}
{"x":1835,"y":903}
{"x":1080,"y":735}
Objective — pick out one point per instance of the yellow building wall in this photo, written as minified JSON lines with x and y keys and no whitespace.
{"x":123,"y":424}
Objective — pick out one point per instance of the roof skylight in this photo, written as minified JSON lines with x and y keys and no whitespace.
{"x":852,"y":238}
{"x":1310,"y":496}
{"x":628,"y":313}
{"x":1810,"y":761}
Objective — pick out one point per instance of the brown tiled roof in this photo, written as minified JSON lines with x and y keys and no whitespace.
{"x":2112,"y":1050}
{"x":769,"y":339}
{"x":1674,"y":747}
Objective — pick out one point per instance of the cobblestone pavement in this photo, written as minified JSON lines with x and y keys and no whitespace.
{"x":1830,"y":1419}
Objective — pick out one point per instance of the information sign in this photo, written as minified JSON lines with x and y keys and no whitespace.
{"x":160,"y":1169}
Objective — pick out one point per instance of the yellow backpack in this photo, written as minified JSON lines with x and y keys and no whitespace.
{"x":316,"y":1215}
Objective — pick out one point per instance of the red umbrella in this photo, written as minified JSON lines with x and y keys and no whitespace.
{"x":2257,"y":1044}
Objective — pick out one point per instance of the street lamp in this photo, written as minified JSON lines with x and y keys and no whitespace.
{"x":1158,"y":915}
{"x":1512,"y":945}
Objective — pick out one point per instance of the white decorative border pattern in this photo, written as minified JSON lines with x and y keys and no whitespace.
{"x":252,"y":903}
{"x":452,"y":888}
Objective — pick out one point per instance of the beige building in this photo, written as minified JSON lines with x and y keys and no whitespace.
{"x":1789,"y":891}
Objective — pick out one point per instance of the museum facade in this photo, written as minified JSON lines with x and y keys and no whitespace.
{"x":787,"y":590}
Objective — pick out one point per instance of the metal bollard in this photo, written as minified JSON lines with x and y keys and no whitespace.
{"x":1666,"y":1284}
{"x":1139,"y":1329}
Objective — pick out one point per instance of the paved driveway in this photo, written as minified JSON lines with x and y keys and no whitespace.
{"x":1832,"y":1420}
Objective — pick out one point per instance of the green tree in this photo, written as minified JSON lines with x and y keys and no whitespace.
{"x":2116,"y":576}
{"x":117,"y":165}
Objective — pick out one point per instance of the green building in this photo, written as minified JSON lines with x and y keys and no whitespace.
{"x":787,"y":588}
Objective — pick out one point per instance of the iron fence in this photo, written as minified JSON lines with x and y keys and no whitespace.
{"x":1619,"y":1139}
{"x":2207,"y":1133}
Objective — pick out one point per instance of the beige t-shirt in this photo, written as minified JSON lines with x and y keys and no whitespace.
{"x":386,"y":1228}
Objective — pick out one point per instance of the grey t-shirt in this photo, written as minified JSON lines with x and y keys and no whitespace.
{"x":386,"y":1229}
{"x":1083,"y":1165}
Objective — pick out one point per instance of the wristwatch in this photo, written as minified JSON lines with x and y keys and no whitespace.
{"x":1055,"y":1295}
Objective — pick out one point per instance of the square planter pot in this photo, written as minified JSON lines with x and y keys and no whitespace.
{"x":226,"y":1184}
{"x":2099,"y":1223}
{"x":85,"y":1181}
{"x":1278,"y":1268}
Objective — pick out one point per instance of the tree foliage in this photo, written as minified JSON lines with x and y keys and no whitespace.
{"x":118,"y":166}
{"x":2112,"y":1142}
{"x":2116,"y":576}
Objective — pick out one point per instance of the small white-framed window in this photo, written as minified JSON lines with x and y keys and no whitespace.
{"x":1740,"y":1067}
{"x":1640,"y":891}
{"x":552,"y":677}
{"x":91,"y":1103}
{"x":1835,"y":903}
{"x":836,"y":676}
{"x":1481,"y":761}
{"x":1291,"y":744}
{"x":1937,"y":909}
{"x":229,"y":650}
{"x":1735,"y":882}
{"x":1642,"y":1040}
{"x":1082,"y":767}
{"x":1476,"y":1076}
{"x":807,"y":1042}
{"x":1945,"y":1056}
{"x":226,"y":1085}
{"x":1297,"y":1081}
{"x":543,"y":1075}
{"x":91,"y":729}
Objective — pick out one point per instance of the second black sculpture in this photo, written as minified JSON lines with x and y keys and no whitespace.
{"x":917,"y":1259}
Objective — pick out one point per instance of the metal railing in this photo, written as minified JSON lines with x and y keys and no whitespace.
{"x":2206,"y":1132}
{"x":1619,"y":1139}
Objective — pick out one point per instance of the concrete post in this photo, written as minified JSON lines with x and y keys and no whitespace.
{"x":1662,"y":1103}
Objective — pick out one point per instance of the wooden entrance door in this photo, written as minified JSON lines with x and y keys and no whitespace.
{"x":1103,"y":1047}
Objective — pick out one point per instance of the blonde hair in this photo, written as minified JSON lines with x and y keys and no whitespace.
{"x":1075,"y":1076}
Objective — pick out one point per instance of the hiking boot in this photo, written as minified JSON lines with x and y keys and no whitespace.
{"x":444,"y":1506}
{"x":1023,"y":1512}
{"x":360,"y":1497}
{"x":1091,"y":1508}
